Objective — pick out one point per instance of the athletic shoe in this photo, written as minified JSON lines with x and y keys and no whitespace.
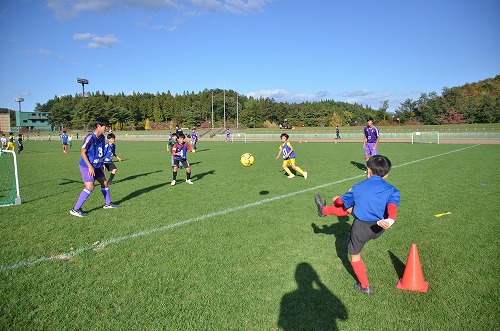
{"x":172,"y":183}
{"x":366,"y":290}
{"x":291,"y":176}
{"x":320,"y":205}
{"x":78,"y":213}
{"x":189,"y":181}
{"x":305,"y":175}
{"x":111,"y":206}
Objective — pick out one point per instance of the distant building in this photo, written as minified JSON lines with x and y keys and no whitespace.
{"x":4,"y":122}
{"x":32,"y":121}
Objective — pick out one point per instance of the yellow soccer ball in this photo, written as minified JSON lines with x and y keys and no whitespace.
{"x":247,"y":159}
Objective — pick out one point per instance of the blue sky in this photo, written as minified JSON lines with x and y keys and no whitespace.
{"x":354,"y":51}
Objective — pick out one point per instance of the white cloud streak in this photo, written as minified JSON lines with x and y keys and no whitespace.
{"x":96,"y":41}
{"x":65,"y":9}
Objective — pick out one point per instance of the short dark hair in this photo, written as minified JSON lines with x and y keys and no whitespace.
{"x":111,"y":135}
{"x":182,"y":136}
{"x":101,"y":121}
{"x":174,"y":135}
{"x":285,"y":135}
{"x":379,"y":165}
{"x":369,"y":119}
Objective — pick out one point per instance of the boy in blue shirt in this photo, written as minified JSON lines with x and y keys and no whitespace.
{"x":373,"y":203}
{"x":289,"y":158}
{"x":64,"y":140}
{"x":110,"y":149}
{"x":91,"y":167}
{"x":179,"y":151}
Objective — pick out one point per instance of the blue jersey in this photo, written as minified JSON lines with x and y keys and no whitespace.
{"x":370,"y":199}
{"x":109,"y":152}
{"x":371,"y":134}
{"x":285,"y":149}
{"x":64,"y":138}
{"x":183,"y":149}
{"x":94,"y":148}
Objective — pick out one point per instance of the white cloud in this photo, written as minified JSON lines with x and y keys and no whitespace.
{"x":281,"y":95}
{"x":65,"y":9}
{"x":96,"y":41}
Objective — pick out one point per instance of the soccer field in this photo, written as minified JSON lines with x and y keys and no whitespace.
{"x":243,"y":248}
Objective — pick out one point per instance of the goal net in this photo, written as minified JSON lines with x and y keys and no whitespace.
{"x":239,"y":137}
{"x":9,"y":182}
{"x":426,"y":137}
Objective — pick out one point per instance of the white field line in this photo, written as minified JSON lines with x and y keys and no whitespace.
{"x":100,"y":245}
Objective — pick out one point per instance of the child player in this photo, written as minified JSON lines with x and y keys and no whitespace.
{"x":10,"y":142}
{"x":370,"y":139}
{"x":194,"y":139}
{"x":20,"y":144}
{"x":110,"y":151}
{"x":64,"y":140}
{"x":4,"y":141}
{"x":171,"y":142}
{"x":179,"y":151}
{"x":373,"y":203}
{"x":286,"y":149}
{"x":91,"y":167}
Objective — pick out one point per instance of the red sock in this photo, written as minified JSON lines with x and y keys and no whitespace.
{"x":360,"y":271}
{"x":334,"y":210}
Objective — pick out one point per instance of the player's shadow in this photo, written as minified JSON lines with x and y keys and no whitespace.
{"x":203,"y":174}
{"x":193,"y":163}
{"x":399,"y":266}
{"x":358,"y":165}
{"x":312,"y":306}
{"x":202,"y":150}
{"x":340,"y":230}
{"x":137,"y":176}
{"x":137,"y":193}
{"x":67,"y":181}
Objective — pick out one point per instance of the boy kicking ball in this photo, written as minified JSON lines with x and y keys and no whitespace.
{"x":373,"y":203}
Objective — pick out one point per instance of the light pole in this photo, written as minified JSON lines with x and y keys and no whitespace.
{"x":19,"y":100}
{"x":18,"y":115}
{"x":83,"y":81}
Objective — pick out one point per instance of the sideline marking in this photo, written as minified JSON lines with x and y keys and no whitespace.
{"x":100,"y":245}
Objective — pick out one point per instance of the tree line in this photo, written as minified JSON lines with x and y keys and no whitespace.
{"x":471,"y":103}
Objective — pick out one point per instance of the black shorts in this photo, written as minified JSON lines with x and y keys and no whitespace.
{"x":184,"y":163}
{"x":110,"y":166}
{"x":360,"y":233}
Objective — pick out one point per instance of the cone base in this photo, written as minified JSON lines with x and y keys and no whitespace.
{"x":424,"y":287}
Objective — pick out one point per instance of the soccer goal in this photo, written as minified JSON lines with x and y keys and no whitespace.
{"x":426,"y":137}
{"x":239,"y":137}
{"x":9,"y":180}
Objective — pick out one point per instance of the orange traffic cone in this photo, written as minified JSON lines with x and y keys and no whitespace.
{"x":413,"y":278}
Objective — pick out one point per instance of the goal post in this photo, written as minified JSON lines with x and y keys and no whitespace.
{"x":241,"y":137}
{"x":425,"y":137}
{"x":9,"y":180}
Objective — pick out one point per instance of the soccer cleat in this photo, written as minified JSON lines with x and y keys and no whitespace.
{"x":172,"y":183}
{"x":111,"y":206}
{"x":320,"y":204}
{"x":189,"y":181}
{"x":305,"y":175}
{"x":291,"y":176}
{"x":78,"y":213}
{"x":366,"y":290}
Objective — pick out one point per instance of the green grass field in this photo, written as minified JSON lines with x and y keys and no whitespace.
{"x":230,"y":251}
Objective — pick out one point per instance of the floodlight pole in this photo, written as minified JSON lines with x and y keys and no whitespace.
{"x":83,"y":81}
{"x":19,"y":100}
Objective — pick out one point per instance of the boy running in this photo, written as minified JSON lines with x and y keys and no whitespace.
{"x":373,"y":203}
{"x":10,"y":142}
{"x":286,"y":149}
{"x":179,"y":151}
{"x":20,"y":144}
{"x":91,"y":167}
{"x":110,"y":149}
